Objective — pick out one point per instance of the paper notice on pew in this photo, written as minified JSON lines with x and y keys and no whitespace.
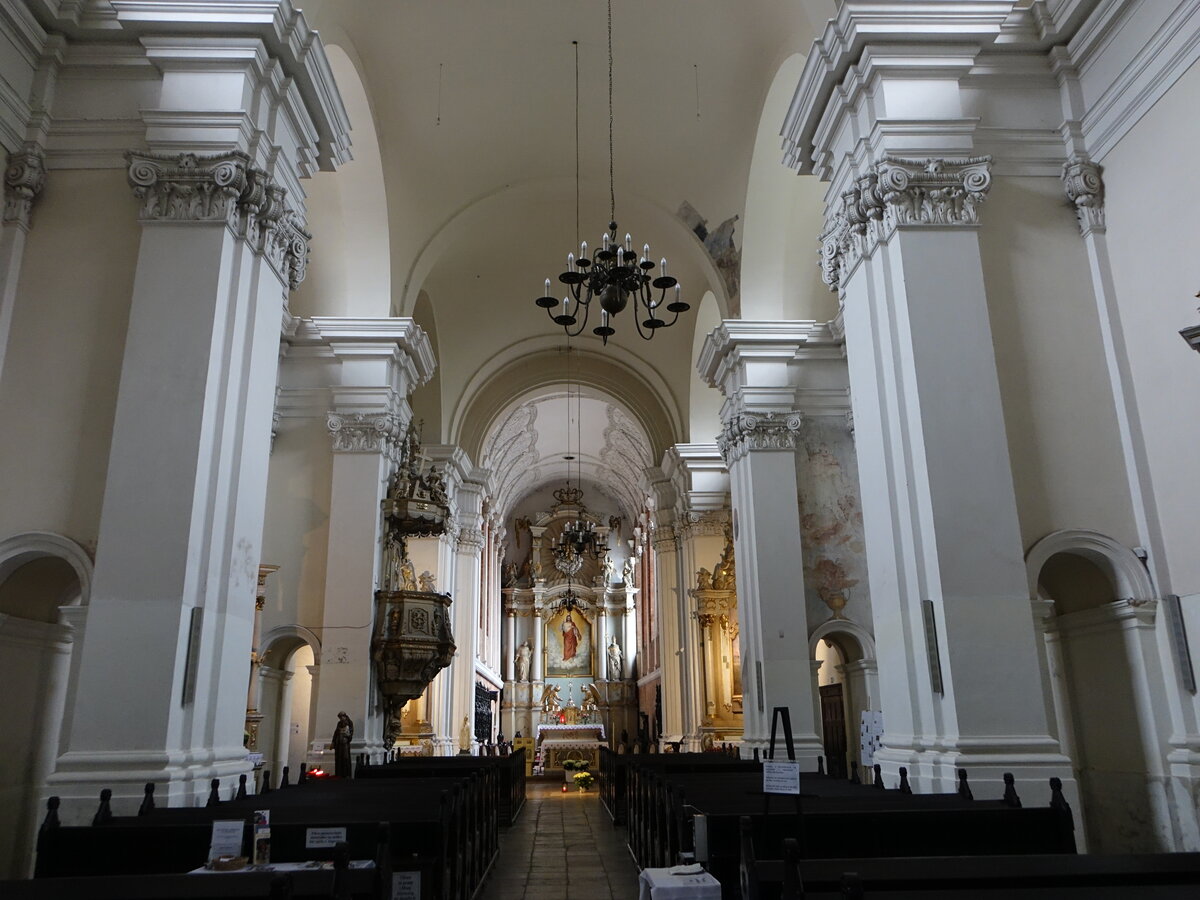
{"x":226,"y":839}
{"x":318,"y":838}
{"x":781,"y":776}
{"x":406,"y":886}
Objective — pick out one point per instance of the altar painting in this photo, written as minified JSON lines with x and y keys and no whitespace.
{"x":569,"y":645}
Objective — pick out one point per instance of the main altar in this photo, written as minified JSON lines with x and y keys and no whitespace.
{"x":570,"y":632}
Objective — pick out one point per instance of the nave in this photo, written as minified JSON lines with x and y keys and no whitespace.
{"x":563,"y":847}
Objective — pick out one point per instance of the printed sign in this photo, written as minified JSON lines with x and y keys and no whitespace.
{"x":317,"y":838}
{"x":226,"y":839}
{"x":781,"y":776}
{"x":406,"y":886}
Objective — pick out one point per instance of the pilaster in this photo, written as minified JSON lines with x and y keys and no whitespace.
{"x":24,"y":178}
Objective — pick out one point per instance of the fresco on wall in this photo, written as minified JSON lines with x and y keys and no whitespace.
{"x":568,"y":645}
{"x":831,"y":529}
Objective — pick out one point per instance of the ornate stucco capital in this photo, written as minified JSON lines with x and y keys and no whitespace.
{"x":745,"y":433}
{"x":188,"y":187}
{"x":364,"y":432}
{"x":1084,"y":187}
{"x":24,"y":178}
{"x":932,"y":191}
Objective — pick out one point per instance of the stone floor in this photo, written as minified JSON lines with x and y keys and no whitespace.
{"x":563,"y":847}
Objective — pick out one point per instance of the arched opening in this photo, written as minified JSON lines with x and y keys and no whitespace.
{"x":1099,"y":644}
{"x":41,"y":591}
{"x":288,"y":682}
{"x":845,"y":670}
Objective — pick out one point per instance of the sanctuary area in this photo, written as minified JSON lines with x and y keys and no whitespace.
{"x":423,"y":398}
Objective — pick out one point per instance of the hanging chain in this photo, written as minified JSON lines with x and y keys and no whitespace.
{"x":612,"y":194}
{"x":576,"y":43}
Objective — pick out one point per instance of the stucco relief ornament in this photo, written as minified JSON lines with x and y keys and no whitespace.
{"x":24,"y":178}
{"x":363,"y":432}
{"x":932,"y":191}
{"x":1085,"y":189}
{"x":768,"y":431}
{"x":187,"y":187}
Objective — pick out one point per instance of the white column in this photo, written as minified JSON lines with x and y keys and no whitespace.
{"x":939,"y":509}
{"x":669,"y":598}
{"x":467,"y":493}
{"x":600,"y":639}
{"x":539,"y":668}
{"x":510,"y":648}
{"x":24,"y":177}
{"x":629,"y":657}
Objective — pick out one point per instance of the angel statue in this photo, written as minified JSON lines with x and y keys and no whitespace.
{"x":550,"y":700}
{"x":591,"y":701}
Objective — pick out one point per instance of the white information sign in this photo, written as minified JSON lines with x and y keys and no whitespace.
{"x":226,"y":838}
{"x":406,"y":886}
{"x":317,"y":838}
{"x":781,"y":776}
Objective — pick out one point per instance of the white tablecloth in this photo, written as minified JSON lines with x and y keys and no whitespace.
{"x":660,"y":884}
{"x":553,"y":730}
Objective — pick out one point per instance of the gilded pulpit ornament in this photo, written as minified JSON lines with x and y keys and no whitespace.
{"x":412,"y":640}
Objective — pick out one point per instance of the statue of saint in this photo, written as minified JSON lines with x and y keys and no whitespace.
{"x":408,"y":576}
{"x":523,"y":655}
{"x":614,"y":659}
{"x":609,"y":568}
{"x":627,"y":571}
{"x":343,"y":734}
{"x":464,"y":738}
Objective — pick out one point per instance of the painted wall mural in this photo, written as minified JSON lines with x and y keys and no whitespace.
{"x":831,"y":527}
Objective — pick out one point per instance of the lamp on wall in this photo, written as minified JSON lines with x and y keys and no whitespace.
{"x":615,"y":274}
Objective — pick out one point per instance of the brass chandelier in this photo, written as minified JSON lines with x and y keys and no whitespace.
{"x":615,"y":274}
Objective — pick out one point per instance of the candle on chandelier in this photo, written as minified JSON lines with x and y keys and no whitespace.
{"x":570,"y":262}
{"x":628,"y":242}
{"x":663,"y":266}
{"x":547,"y":294}
{"x":583,"y":250}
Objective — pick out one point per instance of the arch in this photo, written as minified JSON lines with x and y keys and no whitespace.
{"x":538,"y":363}
{"x":1128,"y":575}
{"x":478,"y":215}
{"x":19,"y":549}
{"x":281,"y":641}
{"x":863,"y":642}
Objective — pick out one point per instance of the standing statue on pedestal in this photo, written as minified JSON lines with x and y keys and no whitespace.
{"x":627,"y":570}
{"x":343,"y":734}
{"x":464,"y":738}
{"x":614,"y":659}
{"x":523,"y":655}
{"x":610,"y":567}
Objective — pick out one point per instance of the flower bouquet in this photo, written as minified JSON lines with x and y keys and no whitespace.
{"x":583,"y":780}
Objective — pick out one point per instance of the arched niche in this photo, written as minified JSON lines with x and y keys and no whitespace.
{"x":349,"y":270}
{"x":846,"y":676}
{"x":288,"y":681}
{"x":784,"y":217}
{"x":1095,"y":605}
{"x":45,"y":584}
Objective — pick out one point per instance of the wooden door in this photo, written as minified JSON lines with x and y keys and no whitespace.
{"x":833,"y":723}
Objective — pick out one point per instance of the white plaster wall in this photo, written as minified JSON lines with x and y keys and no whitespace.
{"x":784,"y":216}
{"x":1058,"y":405}
{"x":58,"y":394}
{"x":1152,"y":186}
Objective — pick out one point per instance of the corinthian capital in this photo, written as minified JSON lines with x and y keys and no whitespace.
{"x":363,"y":432}
{"x":768,"y":431}
{"x":24,"y":178}
{"x":932,"y":191}
{"x":187,"y":187}
{"x":1085,"y":189}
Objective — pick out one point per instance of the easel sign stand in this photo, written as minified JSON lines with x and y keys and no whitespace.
{"x":783,"y":776}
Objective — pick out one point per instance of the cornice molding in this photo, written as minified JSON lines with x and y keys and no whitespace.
{"x":1084,"y":186}
{"x":24,"y":178}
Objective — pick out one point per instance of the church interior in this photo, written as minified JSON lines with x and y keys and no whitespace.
{"x":880,"y":417}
